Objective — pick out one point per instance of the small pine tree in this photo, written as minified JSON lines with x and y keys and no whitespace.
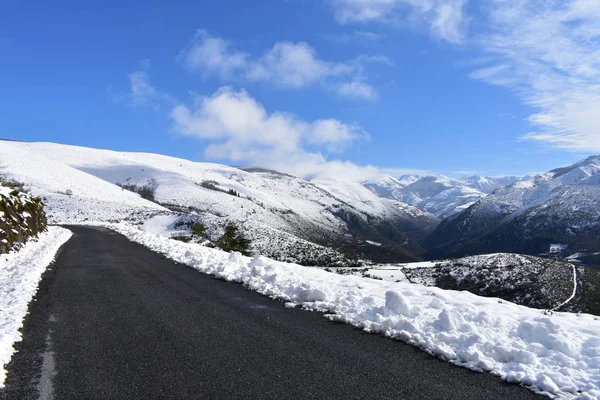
{"x":198,"y":229}
{"x":232,"y":240}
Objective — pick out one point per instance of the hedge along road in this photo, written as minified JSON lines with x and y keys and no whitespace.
{"x":114,"y":320}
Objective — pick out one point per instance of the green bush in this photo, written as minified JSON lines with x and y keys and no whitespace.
{"x":233,"y":240}
{"x":198,"y":229}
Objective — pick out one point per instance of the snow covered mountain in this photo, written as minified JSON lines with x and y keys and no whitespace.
{"x":286,"y":217}
{"x":487,"y":184}
{"x":558,"y":210}
{"x":389,"y":187}
{"x":438,"y":194}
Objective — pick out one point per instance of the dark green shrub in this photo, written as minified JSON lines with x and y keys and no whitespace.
{"x":233,"y":240}
{"x":198,"y":229}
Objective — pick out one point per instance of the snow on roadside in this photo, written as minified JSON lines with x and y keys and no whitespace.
{"x":20,"y":273}
{"x":556,"y":354}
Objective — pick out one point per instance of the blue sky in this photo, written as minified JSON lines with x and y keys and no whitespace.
{"x":312,"y":87}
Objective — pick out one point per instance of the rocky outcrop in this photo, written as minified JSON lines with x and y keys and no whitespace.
{"x":21,"y":217}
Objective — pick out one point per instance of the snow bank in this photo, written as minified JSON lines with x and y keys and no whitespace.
{"x":20,"y":273}
{"x":556,"y":354}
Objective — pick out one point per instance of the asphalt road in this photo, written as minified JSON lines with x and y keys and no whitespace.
{"x":113,"y":320}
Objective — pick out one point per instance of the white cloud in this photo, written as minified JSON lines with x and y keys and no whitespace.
{"x":548,"y":52}
{"x":235,"y":117}
{"x":240,"y":121}
{"x":212,"y":55}
{"x":449,"y":20}
{"x":398,"y":172}
{"x":238,"y":128}
{"x":444,"y":18}
{"x":315,"y":168}
{"x":286,"y":64}
{"x":347,"y":11}
{"x":141,"y":93}
{"x":367,"y":35}
{"x":295,"y":65}
{"x":333,"y":134}
{"x":465,"y":172}
{"x":353,"y":37}
{"x":358,"y":89}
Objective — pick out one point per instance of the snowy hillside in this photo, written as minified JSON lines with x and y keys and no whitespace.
{"x":71,"y":195}
{"x":362,"y":199}
{"x":559,"y":207}
{"x":285,"y":216}
{"x":527,"y":280}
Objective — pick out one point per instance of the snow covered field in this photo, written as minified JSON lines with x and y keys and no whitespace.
{"x":20,"y":273}
{"x":556,"y":354}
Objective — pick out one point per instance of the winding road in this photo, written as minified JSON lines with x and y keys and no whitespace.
{"x":113,"y":320}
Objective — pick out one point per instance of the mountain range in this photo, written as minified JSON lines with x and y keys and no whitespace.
{"x":324,"y":222}
{"x":286,"y":217}
{"x":437,"y":194}
{"x":557,"y":212}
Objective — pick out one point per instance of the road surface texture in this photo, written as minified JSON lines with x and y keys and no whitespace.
{"x":114,"y":320}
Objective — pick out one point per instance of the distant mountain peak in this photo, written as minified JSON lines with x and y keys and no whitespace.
{"x":408,"y":179}
{"x":560,"y":206}
{"x":592,"y":161}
